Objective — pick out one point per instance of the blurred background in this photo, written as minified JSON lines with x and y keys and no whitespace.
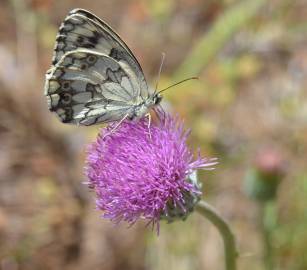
{"x":248,"y":108}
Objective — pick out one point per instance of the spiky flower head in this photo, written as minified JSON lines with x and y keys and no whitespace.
{"x":142,"y":171}
{"x":265,"y":175}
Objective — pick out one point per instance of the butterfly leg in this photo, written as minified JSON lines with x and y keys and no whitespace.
{"x":116,"y":126}
{"x":149,"y":123}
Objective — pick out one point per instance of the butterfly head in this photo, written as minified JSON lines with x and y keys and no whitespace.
{"x":153,"y":100}
{"x":157,"y":97}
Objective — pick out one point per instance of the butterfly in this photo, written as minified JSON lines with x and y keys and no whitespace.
{"x":94,"y":76}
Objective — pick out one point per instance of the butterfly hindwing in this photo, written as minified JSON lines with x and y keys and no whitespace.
{"x":87,"y":87}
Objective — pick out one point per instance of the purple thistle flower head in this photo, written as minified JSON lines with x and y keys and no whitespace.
{"x":140,"y":175}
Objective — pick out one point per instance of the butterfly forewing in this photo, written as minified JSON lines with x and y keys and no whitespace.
{"x":94,"y":76}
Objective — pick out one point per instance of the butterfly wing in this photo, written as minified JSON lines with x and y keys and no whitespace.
{"x":94,"y":76}
{"x":87,"y":87}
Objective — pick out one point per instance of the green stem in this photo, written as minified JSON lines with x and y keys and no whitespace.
{"x":267,"y":219}
{"x":229,"y":240}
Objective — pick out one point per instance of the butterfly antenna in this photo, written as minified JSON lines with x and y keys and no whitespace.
{"x":188,"y":79}
{"x":160,"y":70}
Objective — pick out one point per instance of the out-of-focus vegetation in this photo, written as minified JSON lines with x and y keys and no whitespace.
{"x":251,"y":59}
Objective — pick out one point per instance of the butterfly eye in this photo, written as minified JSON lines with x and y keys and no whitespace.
{"x":91,"y":59}
{"x":65,"y":85}
{"x":157,"y":99}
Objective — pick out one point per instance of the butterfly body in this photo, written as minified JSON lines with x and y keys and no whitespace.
{"x":94,"y":77}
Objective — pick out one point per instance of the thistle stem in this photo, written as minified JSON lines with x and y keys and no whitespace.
{"x":267,"y":225}
{"x":229,"y":240}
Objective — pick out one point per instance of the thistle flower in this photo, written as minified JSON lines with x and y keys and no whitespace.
{"x":140,"y":175}
{"x":264,"y":176}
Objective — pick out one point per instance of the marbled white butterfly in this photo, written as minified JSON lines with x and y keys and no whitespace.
{"x":94,"y":77}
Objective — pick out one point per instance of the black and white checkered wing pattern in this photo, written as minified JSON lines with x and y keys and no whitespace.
{"x":94,"y":76}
